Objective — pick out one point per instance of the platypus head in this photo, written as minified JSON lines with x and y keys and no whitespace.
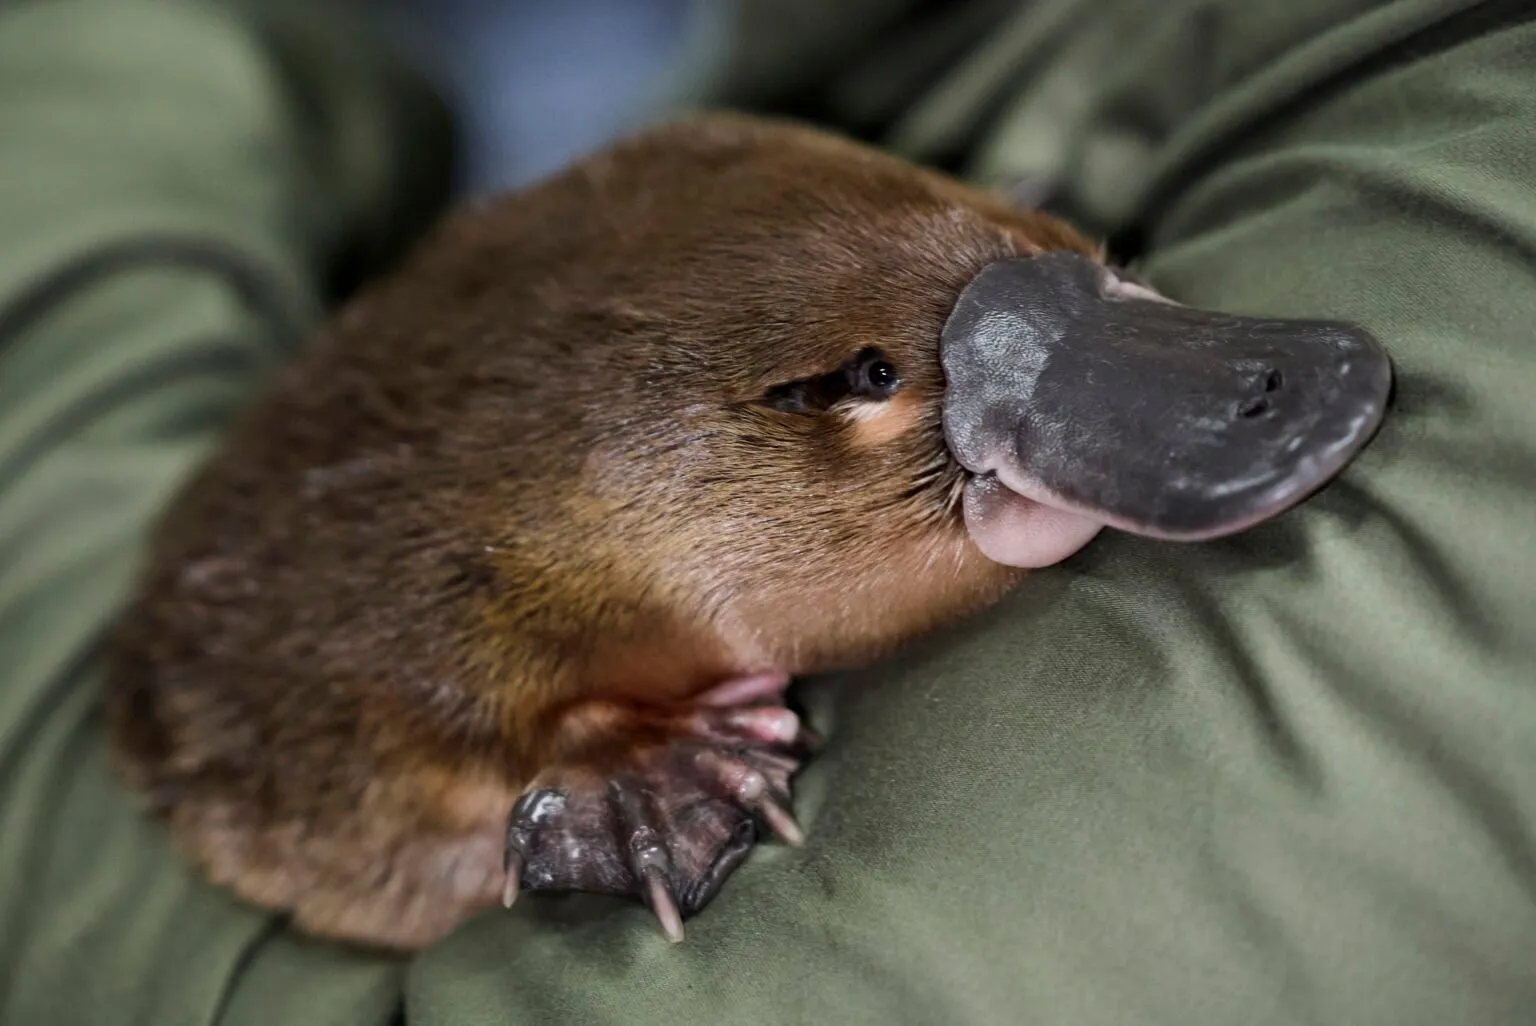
{"x":826,"y":398}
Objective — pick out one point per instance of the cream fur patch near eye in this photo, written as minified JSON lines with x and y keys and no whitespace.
{"x":875,"y":421}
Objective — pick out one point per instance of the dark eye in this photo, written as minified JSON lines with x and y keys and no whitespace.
{"x":881,"y":375}
{"x":873,"y":376}
{"x":867,"y":375}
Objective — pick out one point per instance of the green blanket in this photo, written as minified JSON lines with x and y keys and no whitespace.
{"x":1289,"y":777}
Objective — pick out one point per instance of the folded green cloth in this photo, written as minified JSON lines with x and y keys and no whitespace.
{"x":1289,"y":777}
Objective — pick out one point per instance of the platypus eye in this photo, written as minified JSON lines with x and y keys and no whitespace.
{"x":872,"y":376}
{"x":865,"y":375}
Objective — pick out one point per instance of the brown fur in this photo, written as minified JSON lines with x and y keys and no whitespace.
{"x":531,"y":469}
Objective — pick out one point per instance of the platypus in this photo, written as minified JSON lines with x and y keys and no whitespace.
{"x":499,"y":585}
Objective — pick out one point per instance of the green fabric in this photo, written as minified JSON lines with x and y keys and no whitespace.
{"x":152,"y":125}
{"x":1288,"y":777}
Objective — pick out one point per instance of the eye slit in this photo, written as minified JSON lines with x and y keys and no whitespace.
{"x":791,"y":397}
{"x":872,"y":376}
{"x":807,"y":395}
{"x":866,"y":375}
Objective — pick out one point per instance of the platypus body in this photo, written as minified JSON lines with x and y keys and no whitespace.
{"x":498,"y":587}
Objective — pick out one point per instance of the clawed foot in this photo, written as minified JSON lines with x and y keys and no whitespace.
{"x":666,"y":812}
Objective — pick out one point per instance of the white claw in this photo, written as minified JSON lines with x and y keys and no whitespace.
{"x":663,"y":906}
{"x":782,"y":823}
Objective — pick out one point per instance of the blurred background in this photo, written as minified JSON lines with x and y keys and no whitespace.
{"x":534,"y":83}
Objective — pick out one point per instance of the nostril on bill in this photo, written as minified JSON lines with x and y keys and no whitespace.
{"x":1251,"y":408}
{"x":1258,"y":405}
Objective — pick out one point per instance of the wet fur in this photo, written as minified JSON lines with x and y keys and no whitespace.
{"x":531,"y":468}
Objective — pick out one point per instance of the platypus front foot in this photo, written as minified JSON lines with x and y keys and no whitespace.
{"x":662,"y":806}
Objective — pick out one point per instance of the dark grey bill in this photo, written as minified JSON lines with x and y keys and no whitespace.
{"x":1090,"y":396}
